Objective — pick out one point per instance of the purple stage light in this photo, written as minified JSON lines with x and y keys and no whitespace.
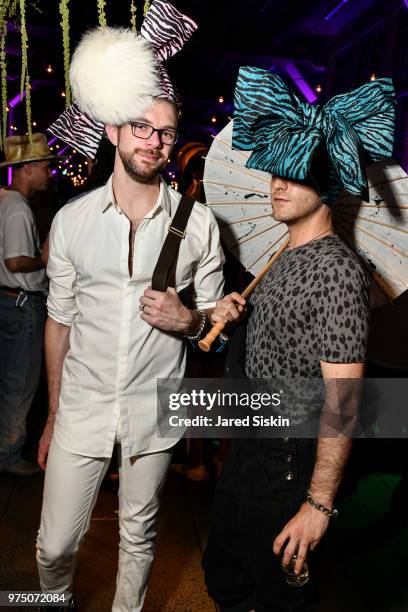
{"x":300,"y":82}
{"x":337,"y":8}
{"x":52,"y":141}
{"x":16,"y":100}
{"x":406,"y":3}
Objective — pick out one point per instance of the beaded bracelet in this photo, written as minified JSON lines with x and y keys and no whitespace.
{"x":331,"y":513}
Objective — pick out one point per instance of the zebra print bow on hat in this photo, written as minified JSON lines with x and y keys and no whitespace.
{"x":167,"y":30}
{"x":283,"y":132}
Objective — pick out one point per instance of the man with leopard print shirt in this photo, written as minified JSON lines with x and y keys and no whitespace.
{"x":308,"y":319}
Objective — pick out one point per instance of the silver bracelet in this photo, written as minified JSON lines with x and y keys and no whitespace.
{"x":331,"y":513}
{"x":203,"y":323}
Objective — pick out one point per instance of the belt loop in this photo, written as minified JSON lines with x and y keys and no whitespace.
{"x":21,"y":299}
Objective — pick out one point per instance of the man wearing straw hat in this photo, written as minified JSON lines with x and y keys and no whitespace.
{"x":23,"y":288}
{"x":109,"y":336}
{"x":309,"y":319}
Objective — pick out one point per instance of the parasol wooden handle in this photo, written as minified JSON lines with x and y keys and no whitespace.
{"x":205,"y":343}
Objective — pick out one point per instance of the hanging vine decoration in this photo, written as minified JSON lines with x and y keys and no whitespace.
{"x":3,"y":68}
{"x":24,"y":47}
{"x":28,"y":107}
{"x":146,"y":7}
{"x":25,"y":77}
{"x":133,"y":15}
{"x":7,"y":10}
{"x":64,"y":12}
{"x":101,"y":12}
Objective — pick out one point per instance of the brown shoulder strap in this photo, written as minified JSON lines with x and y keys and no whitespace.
{"x":170,"y":249}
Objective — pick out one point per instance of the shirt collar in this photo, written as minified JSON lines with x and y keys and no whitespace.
{"x":163,"y":201}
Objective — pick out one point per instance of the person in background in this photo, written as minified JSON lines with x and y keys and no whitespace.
{"x":23,"y":290}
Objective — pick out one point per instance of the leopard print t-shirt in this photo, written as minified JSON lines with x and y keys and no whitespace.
{"x":311,"y":306}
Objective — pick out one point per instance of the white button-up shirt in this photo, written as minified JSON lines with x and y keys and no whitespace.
{"x":114,"y":360}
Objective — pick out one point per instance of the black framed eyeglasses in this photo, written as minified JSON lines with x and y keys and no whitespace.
{"x":146,"y":131}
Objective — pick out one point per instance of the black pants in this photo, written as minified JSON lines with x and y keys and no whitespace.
{"x":262,"y":486}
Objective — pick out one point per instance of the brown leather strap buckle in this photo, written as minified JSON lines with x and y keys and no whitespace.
{"x":177,"y":232}
{"x":164,"y":272}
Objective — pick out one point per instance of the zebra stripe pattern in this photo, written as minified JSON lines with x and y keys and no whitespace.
{"x":284,"y":132}
{"x":78,"y":130}
{"x":167,"y":30}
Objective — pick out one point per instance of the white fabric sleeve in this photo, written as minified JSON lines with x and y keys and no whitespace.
{"x":18,"y":237}
{"x":61,"y":301}
{"x":209,"y":277}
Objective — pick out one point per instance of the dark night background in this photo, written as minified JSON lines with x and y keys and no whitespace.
{"x":337,"y":44}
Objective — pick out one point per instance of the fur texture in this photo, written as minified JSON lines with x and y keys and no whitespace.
{"x":114,"y":75}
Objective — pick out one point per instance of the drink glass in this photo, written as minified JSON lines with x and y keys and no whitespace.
{"x":292,"y":579}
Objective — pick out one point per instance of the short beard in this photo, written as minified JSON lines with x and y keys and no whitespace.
{"x":302,"y":211}
{"x":135,"y":172}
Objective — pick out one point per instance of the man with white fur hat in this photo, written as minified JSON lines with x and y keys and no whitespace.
{"x":108,"y":335}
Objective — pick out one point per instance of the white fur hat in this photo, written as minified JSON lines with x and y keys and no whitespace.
{"x":114,"y":75}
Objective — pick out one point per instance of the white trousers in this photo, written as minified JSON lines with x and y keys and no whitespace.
{"x":71,"y":488}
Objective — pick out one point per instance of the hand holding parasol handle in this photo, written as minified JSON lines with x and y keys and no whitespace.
{"x":205,"y":343}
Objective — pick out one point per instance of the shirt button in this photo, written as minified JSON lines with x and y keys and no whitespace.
{"x":286,"y":439}
{"x":289,"y":458}
{"x":289,"y":475}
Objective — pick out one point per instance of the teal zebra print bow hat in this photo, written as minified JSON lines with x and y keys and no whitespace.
{"x":326,"y":146}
